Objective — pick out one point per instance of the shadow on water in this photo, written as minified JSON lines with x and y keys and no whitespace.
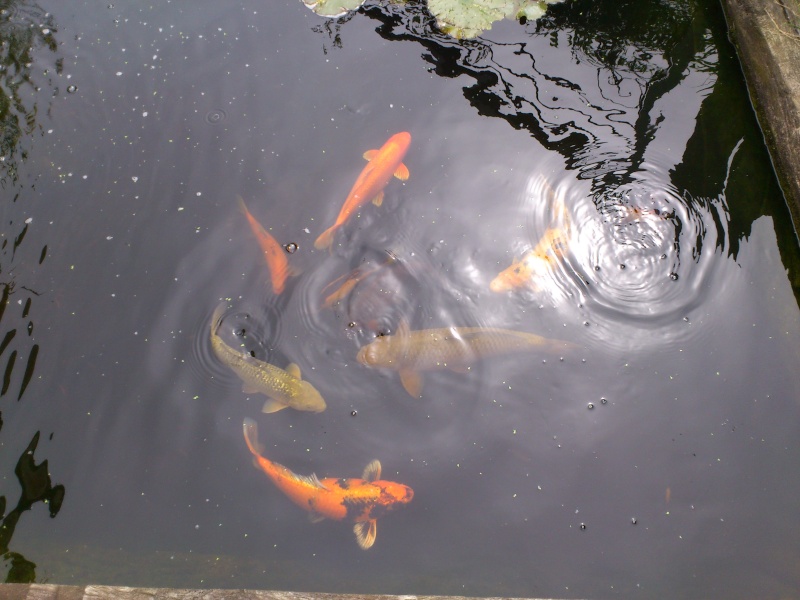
{"x":605,"y":128}
{"x":25,"y":31}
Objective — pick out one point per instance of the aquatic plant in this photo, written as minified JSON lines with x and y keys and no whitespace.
{"x":462,"y":19}
{"x":465,"y":19}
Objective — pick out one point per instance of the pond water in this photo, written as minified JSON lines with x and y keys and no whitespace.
{"x":648,"y":449}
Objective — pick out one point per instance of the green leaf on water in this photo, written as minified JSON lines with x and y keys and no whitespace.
{"x":466,"y":19}
{"x":332,"y":8}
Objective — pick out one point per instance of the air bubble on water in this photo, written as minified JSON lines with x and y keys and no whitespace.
{"x":673,"y":276}
{"x":71,"y":89}
{"x":291,"y":247}
{"x":134,"y":179}
{"x":633,"y":521}
{"x":622,"y":267}
{"x":353,"y":413}
{"x":603,"y":401}
{"x":583,"y":526}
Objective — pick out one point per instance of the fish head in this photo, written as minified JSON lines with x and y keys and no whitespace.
{"x":394,"y":495}
{"x":377,"y":353}
{"x":310,"y":399}
{"x":402,"y":139}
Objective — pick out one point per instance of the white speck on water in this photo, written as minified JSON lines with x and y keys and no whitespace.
{"x":109,"y":237}
{"x":134,"y":179}
{"x":144,"y":114}
{"x":29,"y":220}
{"x":199,"y":193}
{"x":119,"y":73}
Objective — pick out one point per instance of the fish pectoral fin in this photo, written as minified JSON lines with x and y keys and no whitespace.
{"x":401,"y":172}
{"x":372,"y":472}
{"x":272,"y":405}
{"x":249,"y":389}
{"x":412,"y":382}
{"x":370,"y":154}
{"x":366,"y":531}
{"x":315,"y":517}
{"x":378,"y":200}
{"x":294,"y":370}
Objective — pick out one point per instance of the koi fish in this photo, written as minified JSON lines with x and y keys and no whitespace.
{"x":384,"y":163}
{"x":410,"y":352}
{"x":534,"y":263}
{"x":539,"y":260}
{"x":283,"y":388}
{"x":274,"y":253}
{"x":359,"y":500}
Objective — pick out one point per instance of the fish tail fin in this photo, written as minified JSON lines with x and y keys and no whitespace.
{"x":325,"y":240}
{"x":243,"y":207}
{"x":366,"y":532}
{"x":251,"y":437}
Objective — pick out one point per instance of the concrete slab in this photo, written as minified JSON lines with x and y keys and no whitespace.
{"x":766,"y":34}
{"x":104,"y":592}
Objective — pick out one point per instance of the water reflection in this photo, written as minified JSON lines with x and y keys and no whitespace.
{"x":36,"y":487}
{"x":642,"y":247}
{"x":29,"y":64}
{"x":24,"y":29}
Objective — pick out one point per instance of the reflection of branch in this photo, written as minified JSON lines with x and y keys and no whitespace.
{"x":36,"y":487}
{"x":23,"y":28}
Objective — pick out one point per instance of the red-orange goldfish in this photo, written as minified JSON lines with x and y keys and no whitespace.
{"x":359,"y":500}
{"x":274,"y":253}
{"x":383,"y":163}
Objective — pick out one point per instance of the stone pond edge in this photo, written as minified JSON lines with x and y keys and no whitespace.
{"x":768,"y":46}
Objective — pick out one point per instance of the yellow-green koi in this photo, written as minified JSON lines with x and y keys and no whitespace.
{"x":283,"y":388}
{"x":410,"y":352}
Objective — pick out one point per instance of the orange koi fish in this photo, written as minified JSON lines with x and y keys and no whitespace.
{"x":360,"y":500}
{"x":535,"y":262}
{"x":538,"y":261}
{"x":382,"y":165}
{"x":274,"y":253}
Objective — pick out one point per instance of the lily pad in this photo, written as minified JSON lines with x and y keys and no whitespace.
{"x":333,"y":8}
{"x":466,"y":19}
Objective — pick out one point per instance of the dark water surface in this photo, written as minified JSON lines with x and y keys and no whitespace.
{"x":658,"y":457}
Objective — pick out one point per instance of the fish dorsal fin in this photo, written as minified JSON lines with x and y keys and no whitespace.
{"x":401,"y":172}
{"x":294,"y":370}
{"x":372,"y":472}
{"x":366,"y":532}
{"x":412,"y":382}
{"x":311,"y":480}
{"x":378,"y":199}
{"x":272,"y":406}
{"x":370,"y":154}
